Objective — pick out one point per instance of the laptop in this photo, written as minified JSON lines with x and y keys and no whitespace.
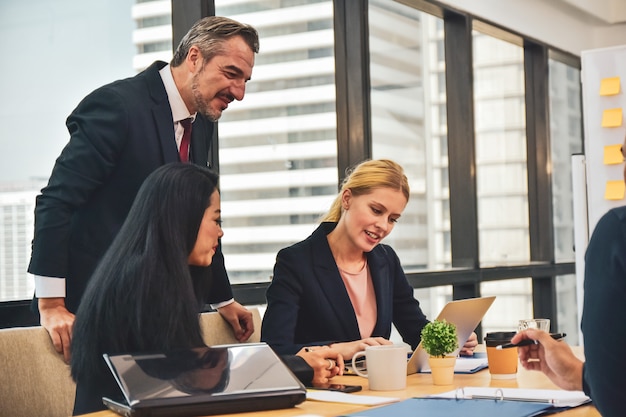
{"x":203,"y":381}
{"x":465,"y":314}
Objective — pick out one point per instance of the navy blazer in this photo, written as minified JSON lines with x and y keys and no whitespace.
{"x":307,"y":301}
{"x":119,"y":134}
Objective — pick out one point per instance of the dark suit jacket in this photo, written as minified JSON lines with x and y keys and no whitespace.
{"x":120,"y":133}
{"x":307,"y":302}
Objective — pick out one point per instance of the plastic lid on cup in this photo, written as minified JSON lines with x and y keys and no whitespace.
{"x":497,"y":338}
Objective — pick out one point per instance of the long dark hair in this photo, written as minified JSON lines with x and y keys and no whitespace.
{"x":141,"y":296}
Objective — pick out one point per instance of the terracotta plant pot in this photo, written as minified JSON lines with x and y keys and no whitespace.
{"x":442,"y":369}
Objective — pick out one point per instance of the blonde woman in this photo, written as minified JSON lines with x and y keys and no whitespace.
{"x":341,"y":286}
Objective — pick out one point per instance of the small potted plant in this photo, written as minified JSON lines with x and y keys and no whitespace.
{"x":439,"y":340}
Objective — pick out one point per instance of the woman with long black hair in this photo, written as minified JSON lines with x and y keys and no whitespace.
{"x":144,"y":294}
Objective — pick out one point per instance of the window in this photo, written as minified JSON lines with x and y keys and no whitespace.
{"x":565,"y":140}
{"x":278,"y":157}
{"x":408,"y":123}
{"x":501,"y":173}
{"x":77,"y":51}
{"x":278,"y":147}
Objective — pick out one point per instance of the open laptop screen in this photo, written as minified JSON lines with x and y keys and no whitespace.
{"x":465,"y":314}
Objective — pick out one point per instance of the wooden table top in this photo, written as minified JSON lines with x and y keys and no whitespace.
{"x":418,"y":385}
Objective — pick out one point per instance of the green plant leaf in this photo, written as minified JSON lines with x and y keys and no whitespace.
{"x":439,"y":338}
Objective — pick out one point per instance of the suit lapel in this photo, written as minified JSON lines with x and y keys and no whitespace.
{"x":202,"y":136}
{"x":327,"y":275}
{"x":379,"y":269}
{"x":162,"y":113}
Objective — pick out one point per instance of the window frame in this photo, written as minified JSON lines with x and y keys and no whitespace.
{"x":354,"y":144}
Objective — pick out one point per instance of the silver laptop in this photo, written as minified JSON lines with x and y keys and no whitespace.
{"x":465,"y":314}
{"x":203,"y":381}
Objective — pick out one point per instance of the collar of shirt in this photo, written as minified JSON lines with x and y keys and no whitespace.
{"x":179,"y":109}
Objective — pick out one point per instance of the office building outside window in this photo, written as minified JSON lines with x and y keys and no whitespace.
{"x":278,"y":147}
{"x":501,"y":175}
{"x":409,"y":126}
{"x":64,"y":50}
{"x":566,"y":139}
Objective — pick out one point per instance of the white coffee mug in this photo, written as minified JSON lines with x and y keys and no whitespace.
{"x":385,"y":366}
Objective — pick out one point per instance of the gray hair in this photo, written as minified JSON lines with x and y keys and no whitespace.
{"x":209,"y":35}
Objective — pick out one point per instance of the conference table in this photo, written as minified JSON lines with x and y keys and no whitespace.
{"x":418,"y":385}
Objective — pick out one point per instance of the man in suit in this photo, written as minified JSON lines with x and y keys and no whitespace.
{"x":119,"y":134}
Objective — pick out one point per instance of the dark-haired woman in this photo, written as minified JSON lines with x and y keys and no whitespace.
{"x":143,"y":295}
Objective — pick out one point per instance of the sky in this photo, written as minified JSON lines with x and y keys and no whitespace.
{"x":54,"y":53}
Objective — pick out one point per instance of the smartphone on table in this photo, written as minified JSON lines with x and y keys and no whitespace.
{"x":340,"y":388}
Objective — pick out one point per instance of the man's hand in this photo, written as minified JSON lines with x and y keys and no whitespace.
{"x":240,"y":319}
{"x":58,"y":321}
{"x":553,"y":358}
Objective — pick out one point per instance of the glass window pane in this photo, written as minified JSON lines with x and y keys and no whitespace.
{"x":278,"y":149}
{"x":513,"y":302}
{"x":565,"y":139}
{"x":432,"y":300}
{"x":409,"y":125}
{"x":60,"y":51}
{"x":501,"y":173}
{"x":567,"y":305}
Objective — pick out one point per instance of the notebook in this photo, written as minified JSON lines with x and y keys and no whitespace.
{"x":203,"y":381}
{"x":465,"y":314}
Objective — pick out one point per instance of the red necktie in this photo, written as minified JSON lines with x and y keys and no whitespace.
{"x":184,"y":143}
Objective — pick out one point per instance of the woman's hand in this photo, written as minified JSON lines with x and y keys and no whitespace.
{"x":470,"y":345}
{"x":348,"y":349}
{"x":326,"y":363}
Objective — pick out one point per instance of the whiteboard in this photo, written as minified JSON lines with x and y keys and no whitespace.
{"x":590,"y":174}
{"x":598,"y":64}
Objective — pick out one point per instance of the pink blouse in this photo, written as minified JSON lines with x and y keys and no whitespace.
{"x":361,"y":292}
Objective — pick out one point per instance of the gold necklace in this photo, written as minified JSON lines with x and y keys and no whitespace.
{"x":360,"y":269}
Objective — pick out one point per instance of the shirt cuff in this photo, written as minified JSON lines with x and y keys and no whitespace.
{"x":222,"y":304}
{"x":49,"y":287}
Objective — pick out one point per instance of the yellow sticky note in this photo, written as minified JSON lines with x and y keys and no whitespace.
{"x":612,"y":118}
{"x":615,"y":190}
{"x":613,"y":154}
{"x":609,"y":86}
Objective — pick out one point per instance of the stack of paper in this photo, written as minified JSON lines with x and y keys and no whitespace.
{"x":341,"y":397}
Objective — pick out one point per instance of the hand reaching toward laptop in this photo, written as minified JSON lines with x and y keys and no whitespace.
{"x":469,"y":346}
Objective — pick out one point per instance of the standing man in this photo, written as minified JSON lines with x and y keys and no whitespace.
{"x":119,"y":134}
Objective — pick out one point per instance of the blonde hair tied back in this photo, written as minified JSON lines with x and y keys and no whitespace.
{"x":364,"y":178}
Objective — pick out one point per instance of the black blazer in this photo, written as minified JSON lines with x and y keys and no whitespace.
{"x":119,"y":134}
{"x":307,"y":301}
